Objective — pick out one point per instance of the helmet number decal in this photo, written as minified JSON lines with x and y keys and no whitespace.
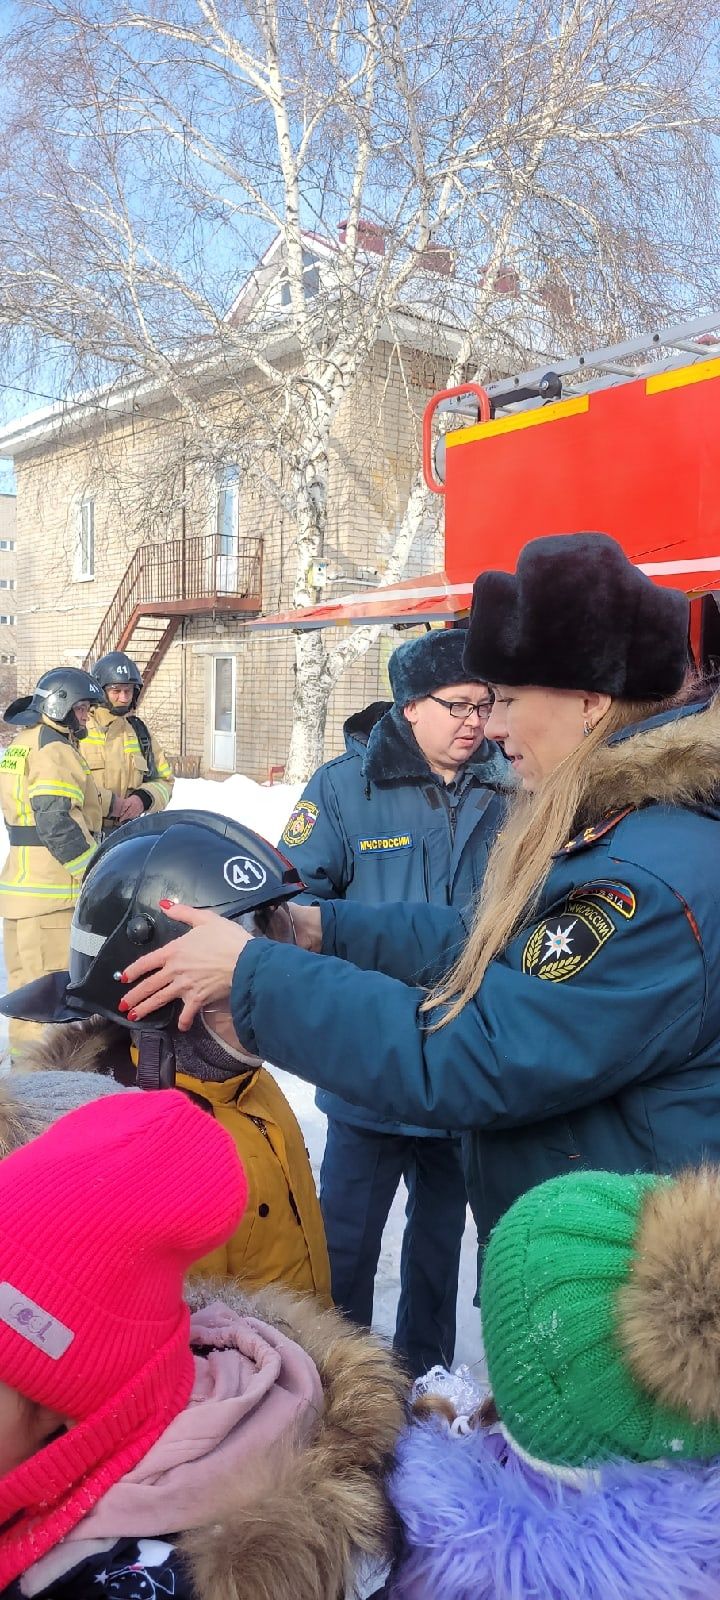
{"x":244,"y":874}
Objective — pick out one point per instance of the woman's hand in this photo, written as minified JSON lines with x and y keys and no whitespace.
{"x":197,"y":968}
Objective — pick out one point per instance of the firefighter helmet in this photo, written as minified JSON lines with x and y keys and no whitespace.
{"x":196,"y":857}
{"x":116,"y":670}
{"x":55,"y":696}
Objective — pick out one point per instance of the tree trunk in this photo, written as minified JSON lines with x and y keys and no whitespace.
{"x":310,"y":706}
{"x":312,"y":681}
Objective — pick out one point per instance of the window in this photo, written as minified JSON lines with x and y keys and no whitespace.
{"x":7,"y":583}
{"x":7,"y":661}
{"x":7,"y":544}
{"x":8,"y":622}
{"x":311,"y":279}
{"x":85,"y":559}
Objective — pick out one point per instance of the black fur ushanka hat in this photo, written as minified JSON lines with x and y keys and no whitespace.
{"x":436,"y":660}
{"x":577,"y":614}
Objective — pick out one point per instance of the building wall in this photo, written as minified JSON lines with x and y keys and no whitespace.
{"x":8,"y":598}
{"x":137,"y":475}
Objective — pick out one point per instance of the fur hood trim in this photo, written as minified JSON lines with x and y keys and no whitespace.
{"x":673,"y":760}
{"x":296,"y":1529}
{"x":475,"y":1525}
{"x":90,"y":1046}
{"x":19,"y":1123}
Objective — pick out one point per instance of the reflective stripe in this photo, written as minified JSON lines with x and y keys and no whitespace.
{"x":79,"y":863}
{"x":86,"y":944}
{"x":42,"y":891}
{"x":55,"y":791}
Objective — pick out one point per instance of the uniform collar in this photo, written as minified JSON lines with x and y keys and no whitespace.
{"x":393,"y":755}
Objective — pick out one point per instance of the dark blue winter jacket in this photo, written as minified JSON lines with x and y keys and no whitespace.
{"x":377,"y":824}
{"x":593,"y":1038}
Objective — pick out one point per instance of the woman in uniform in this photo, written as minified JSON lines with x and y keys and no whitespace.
{"x":576,"y":1020}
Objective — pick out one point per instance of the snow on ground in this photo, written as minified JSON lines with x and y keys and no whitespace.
{"x":266,"y":809}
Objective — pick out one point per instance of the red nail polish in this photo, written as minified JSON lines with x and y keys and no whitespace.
{"x":123,"y":1004}
{"x":124,"y":977}
{"x":132,"y":1016}
{"x":165,"y":904}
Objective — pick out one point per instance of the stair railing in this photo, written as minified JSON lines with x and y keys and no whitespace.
{"x":205,"y":567}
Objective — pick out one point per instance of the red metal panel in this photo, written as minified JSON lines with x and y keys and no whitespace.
{"x":640,"y":461}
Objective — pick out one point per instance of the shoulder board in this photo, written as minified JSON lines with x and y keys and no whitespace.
{"x":590,"y":836}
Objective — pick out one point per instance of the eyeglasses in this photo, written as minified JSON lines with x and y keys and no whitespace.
{"x":462,"y":709}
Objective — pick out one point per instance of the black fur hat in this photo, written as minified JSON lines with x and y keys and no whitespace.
{"x":435,"y":661}
{"x":578,"y":615}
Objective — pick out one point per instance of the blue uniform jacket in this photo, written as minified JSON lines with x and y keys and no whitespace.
{"x":593,"y":1039}
{"x":377,"y":824}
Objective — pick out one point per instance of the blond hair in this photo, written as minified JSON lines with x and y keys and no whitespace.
{"x":536,"y":829}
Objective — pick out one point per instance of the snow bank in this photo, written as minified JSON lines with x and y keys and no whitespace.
{"x":263,"y":807}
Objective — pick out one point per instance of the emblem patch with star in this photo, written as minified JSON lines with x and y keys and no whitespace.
{"x":301,"y":823}
{"x":563,"y":944}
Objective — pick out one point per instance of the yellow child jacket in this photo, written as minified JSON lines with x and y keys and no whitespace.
{"x":114,"y":754}
{"x":53,"y":815}
{"x":281,"y":1238}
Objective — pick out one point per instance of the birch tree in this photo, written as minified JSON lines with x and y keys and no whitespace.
{"x":559,"y":149}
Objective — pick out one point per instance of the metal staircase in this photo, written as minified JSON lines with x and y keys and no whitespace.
{"x":165,"y":583}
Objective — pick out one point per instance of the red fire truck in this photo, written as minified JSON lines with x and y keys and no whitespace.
{"x":624,"y":440}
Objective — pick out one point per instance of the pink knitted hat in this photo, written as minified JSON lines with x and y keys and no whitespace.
{"x":100,"y":1219}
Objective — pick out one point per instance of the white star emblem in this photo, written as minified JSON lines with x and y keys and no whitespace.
{"x":558,"y":943}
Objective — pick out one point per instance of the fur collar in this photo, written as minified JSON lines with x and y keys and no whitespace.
{"x":92,"y":1046}
{"x":477,"y":1525}
{"x":298,"y":1529}
{"x":672,"y":760}
{"x":393,"y":755}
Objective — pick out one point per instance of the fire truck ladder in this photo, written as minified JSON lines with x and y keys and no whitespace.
{"x":664,"y":348}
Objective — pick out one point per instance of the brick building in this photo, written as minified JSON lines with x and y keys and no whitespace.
{"x":8,"y":598}
{"x":171,"y":563}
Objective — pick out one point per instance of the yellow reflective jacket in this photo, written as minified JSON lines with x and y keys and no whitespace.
{"x":53,"y":815}
{"x":114,"y":752}
{"x":281,"y":1238}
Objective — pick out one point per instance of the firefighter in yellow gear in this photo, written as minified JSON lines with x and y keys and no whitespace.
{"x":53,"y":815}
{"x":129,"y":767}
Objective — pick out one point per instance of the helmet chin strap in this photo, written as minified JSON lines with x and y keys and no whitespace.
{"x":156,"y":1062}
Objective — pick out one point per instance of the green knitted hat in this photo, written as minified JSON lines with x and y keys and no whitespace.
{"x":601,"y":1316}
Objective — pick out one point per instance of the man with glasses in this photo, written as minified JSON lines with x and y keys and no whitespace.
{"x":407,"y":813}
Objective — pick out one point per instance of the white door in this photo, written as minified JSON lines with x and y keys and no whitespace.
{"x":223,"y":714}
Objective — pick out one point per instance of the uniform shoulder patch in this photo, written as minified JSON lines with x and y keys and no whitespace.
{"x":300,"y":823}
{"x":562,"y":945}
{"x":617,"y":895}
